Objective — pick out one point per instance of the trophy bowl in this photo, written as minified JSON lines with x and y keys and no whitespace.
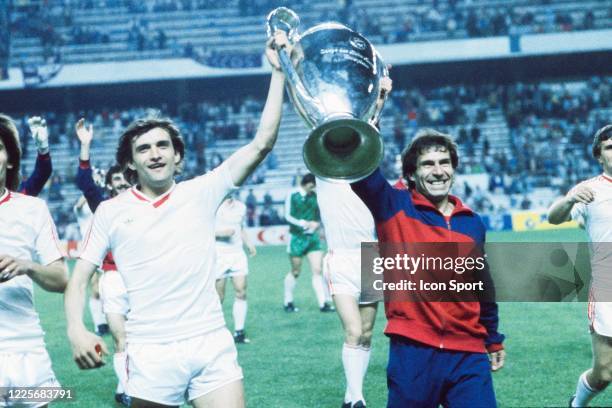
{"x":333,"y":81}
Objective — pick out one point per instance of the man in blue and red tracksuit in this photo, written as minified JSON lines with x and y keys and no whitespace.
{"x":438,"y":351}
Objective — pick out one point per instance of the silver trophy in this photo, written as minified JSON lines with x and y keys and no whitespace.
{"x":333,"y":80}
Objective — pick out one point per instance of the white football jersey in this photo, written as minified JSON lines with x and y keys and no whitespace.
{"x":27,"y":232}
{"x":346,"y":219}
{"x":596,"y":218}
{"x":84,"y":216}
{"x":165,"y":252}
{"x":231,"y":216}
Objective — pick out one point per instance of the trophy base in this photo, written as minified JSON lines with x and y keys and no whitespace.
{"x":343,"y":150}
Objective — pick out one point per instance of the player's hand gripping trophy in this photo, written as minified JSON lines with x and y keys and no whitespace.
{"x":334,"y":81}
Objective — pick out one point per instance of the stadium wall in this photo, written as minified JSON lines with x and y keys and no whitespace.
{"x":518,"y":221}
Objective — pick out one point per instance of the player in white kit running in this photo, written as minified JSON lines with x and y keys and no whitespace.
{"x":163,"y":240}
{"x":348,"y":223}
{"x":590,"y":204}
{"x":231,"y":260}
{"x":29,"y":253}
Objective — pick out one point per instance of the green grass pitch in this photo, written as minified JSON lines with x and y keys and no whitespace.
{"x":294,"y":359}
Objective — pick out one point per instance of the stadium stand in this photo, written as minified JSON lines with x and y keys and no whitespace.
{"x":229,"y":33}
{"x":523,"y":167}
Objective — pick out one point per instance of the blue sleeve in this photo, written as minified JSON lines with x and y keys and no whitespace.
{"x":378,"y":195}
{"x":84,"y":180}
{"x":37,"y":180}
{"x":489,"y":318}
{"x":489,"y":311}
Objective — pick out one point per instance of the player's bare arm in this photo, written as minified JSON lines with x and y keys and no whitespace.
{"x":85,"y":135}
{"x":87,"y":348}
{"x":560,"y":211}
{"x":243,"y":162}
{"x":52,"y":277}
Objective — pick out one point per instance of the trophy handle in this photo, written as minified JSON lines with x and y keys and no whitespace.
{"x":383,"y":72}
{"x":285,"y":19}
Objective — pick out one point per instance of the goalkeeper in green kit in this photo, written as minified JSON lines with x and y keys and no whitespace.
{"x":302,"y":214}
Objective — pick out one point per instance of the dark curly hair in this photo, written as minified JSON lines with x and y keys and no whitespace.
{"x":138,"y":128}
{"x":10,"y":138}
{"x":424,"y":140}
{"x":601,"y":135}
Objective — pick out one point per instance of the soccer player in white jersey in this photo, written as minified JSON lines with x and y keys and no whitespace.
{"x":590,"y":204}
{"x":231,"y":260}
{"x":163,"y":240}
{"x":29,"y":253}
{"x":348,"y":223}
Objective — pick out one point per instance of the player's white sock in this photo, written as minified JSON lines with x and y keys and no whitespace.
{"x":584,"y":392}
{"x":319,"y":288}
{"x":351,"y":360}
{"x":289,"y":286}
{"x":328,"y":297}
{"x":95,"y":308}
{"x":365,"y":359}
{"x":120,"y":371}
{"x":240,"y":311}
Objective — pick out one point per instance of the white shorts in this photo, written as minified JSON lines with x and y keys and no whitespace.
{"x":113,"y":293}
{"x":31,"y":369}
{"x":230,"y":264}
{"x":342,"y":270}
{"x":170,"y":372}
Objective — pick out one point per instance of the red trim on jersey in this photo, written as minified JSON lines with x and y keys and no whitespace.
{"x":55,"y":236}
{"x":86,"y":240}
{"x":138,"y":195}
{"x":84,"y":164}
{"x":159,"y":201}
{"x":606,"y":178}
{"x":6,"y":197}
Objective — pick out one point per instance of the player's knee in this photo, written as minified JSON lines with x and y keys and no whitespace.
{"x":603,"y":375}
{"x":366,"y":338}
{"x":241,"y":294}
{"x":352,"y":334}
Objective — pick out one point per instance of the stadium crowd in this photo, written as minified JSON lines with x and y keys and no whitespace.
{"x":179,"y":30}
{"x":533,"y":116}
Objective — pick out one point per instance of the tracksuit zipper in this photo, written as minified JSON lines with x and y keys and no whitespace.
{"x":448,"y":227}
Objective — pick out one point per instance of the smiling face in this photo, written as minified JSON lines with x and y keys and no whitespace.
{"x":434,"y":173}
{"x":154,"y":160}
{"x":118,"y":183}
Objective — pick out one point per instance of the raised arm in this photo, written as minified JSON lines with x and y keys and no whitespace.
{"x":87,"y":348}
{"x":561,"y":209}
{"x":244,"y":161}
{"x":84,"y":179}
{"x":43,"y":167}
